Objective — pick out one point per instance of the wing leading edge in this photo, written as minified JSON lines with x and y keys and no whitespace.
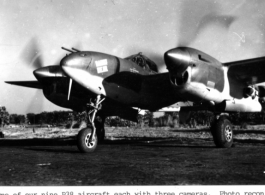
{"x":30,"y":84}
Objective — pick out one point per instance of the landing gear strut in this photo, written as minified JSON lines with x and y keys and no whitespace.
{"x":222,"y":132}
{"x":87,"y":138}
{"x":100,"y":130}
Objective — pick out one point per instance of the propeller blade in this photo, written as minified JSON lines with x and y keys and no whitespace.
{"x":36,"y":103}
{"x":32,"y":54}
{"x":198,"y":15}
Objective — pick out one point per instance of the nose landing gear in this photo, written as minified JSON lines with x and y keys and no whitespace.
{"x":87,"y":138}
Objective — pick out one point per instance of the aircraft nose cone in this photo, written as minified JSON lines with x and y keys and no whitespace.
{"x":177,"y":60}
{"x":66,"y":62}
{"x":70,"y":63}
{"x":75,"y":61}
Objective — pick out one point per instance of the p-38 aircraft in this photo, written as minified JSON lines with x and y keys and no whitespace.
{"x":105,"y":85}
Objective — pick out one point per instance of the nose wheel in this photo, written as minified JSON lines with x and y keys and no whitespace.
{"x":85,"y":142}
{"x":87,"y":139}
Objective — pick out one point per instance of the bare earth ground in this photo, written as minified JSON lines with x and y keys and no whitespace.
{"x":131,"y":156}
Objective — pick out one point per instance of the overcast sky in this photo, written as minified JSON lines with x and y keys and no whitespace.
{"x":227,"y":30}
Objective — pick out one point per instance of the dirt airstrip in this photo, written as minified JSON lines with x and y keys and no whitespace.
{"x":159,"y":156}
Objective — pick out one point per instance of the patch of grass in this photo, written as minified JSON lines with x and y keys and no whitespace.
{"x":253,"y":132}
{"x":157,"y":132}
{"x":23,"y":133}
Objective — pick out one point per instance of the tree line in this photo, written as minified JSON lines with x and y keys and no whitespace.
{"x":171,"y":119}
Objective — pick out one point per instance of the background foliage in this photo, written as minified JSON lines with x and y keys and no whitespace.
{"x":171,"y":119}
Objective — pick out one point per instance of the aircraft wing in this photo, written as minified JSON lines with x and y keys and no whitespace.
{"x":31,"y":84}
{"x":154,"y":91}
{"x":250,"y":71}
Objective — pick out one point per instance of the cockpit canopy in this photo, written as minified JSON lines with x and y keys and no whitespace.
{"x":143,"y":61}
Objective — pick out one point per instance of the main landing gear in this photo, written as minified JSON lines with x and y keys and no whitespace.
{"x":88,"y":138}
{"x":222,"y":132}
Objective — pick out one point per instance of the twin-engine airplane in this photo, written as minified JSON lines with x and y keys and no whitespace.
{"x":105,"y":85}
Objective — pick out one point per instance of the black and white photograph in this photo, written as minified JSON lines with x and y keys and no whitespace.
{"x":132,"y":93}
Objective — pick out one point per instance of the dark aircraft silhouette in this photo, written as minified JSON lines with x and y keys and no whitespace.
{"x":105,"y":85}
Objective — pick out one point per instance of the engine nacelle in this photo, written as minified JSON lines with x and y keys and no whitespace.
{"x":204,"y":69}
{"x":191,"y":66}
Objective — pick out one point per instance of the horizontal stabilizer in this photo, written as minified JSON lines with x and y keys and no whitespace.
{"x":31,"y":84}
{"x":175,"y":107}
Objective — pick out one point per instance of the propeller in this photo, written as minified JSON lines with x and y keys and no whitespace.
{"x":32,"y":54}
{"x":36,"y":101}
{"x":196,"y":16}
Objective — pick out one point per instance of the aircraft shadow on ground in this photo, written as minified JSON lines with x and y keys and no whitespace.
{"x":71,"y":141}
{"x":250,"y":141}
{"x":56,"y":150}
{"x":38,"y":142}
{"x":174,"y":142}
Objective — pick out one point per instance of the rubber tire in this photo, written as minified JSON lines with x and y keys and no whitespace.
{"x":223,"y":133}
{"x":82,"y":139}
